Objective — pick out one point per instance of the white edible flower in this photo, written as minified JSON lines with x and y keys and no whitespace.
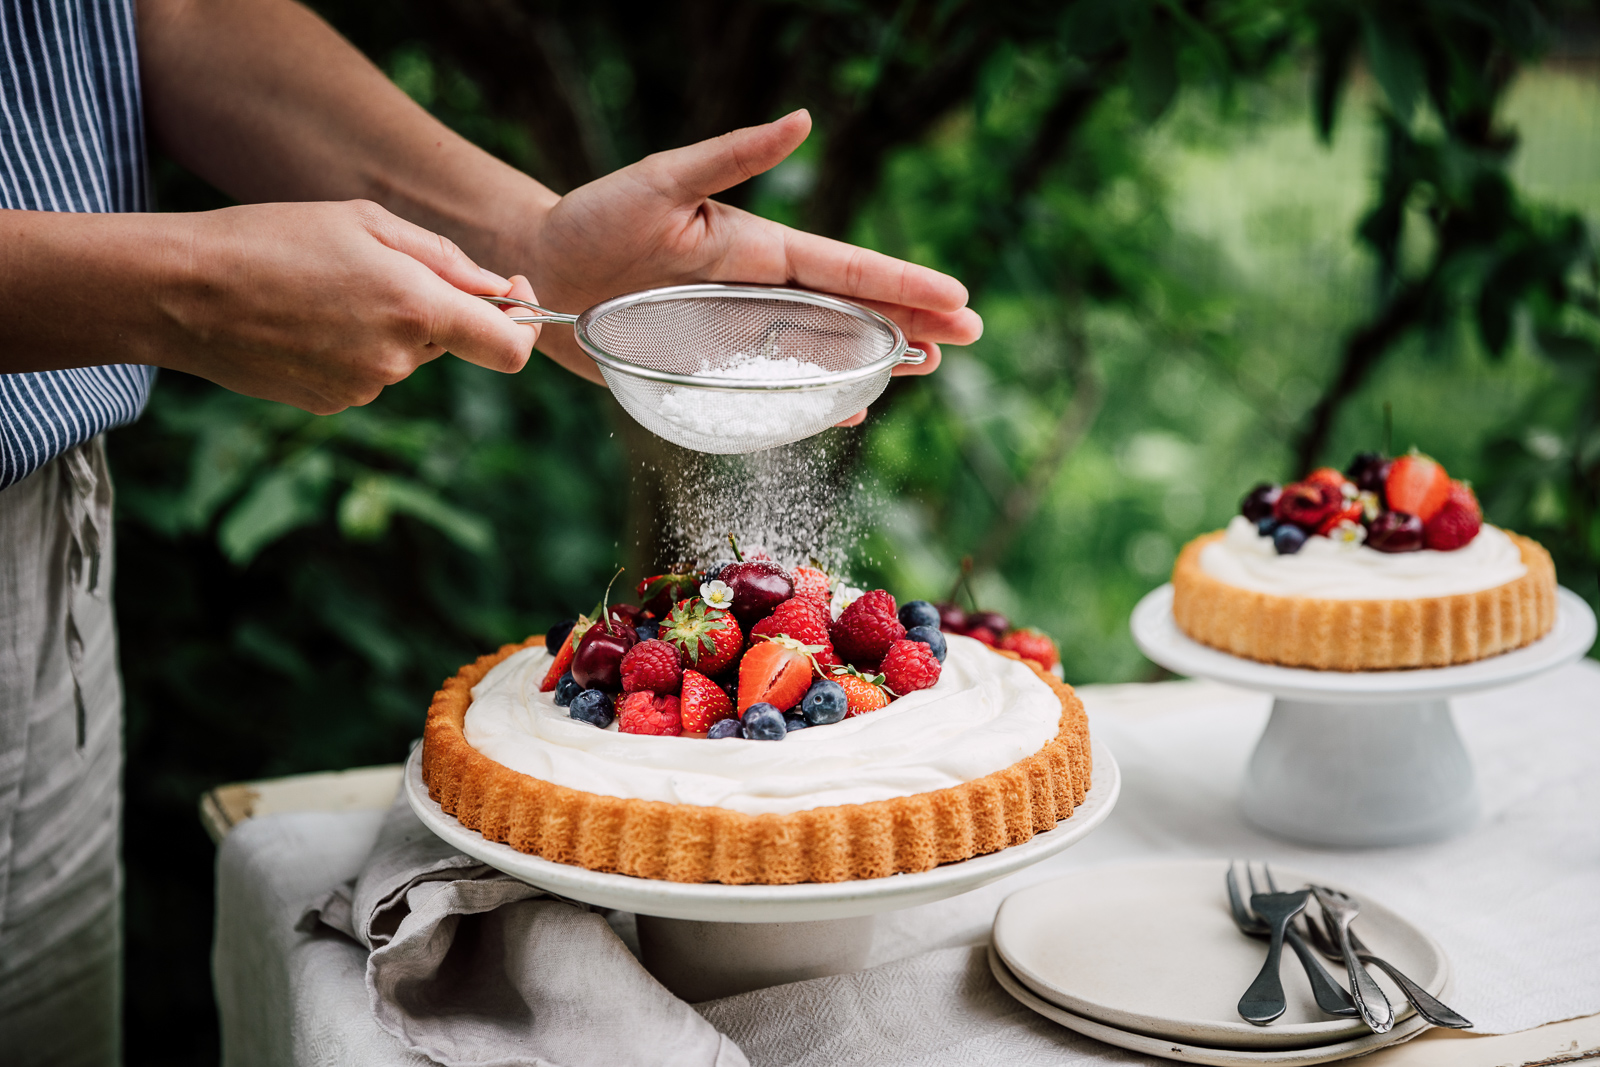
{"x":1348,"y":533}
{"x":843,"y":596}
{"x":1348,"y":490}
{"x":1369,"y":504}
{"x":716,"y":594}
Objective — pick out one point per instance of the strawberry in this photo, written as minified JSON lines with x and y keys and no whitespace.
{"x":1353,"y":513}
{"x":652,"y":666}
{"x":776,"y":671}
{"x":658,"y":592}
{"x":863,"y":693}
{"x":985,"y":635}
{"x":563,"y":662}
{"x":709,"y":639}
{"x":1456,"y":523}
{"x":909,"y":666}
{"x":1032,"y":644}
{"x":702,"y":704}
{"x":811,"y":582}
{"x":803,"y":619}
{"x":1330,"y":477}
{"x":648,"y":713}
{"x":865,"y":630}
{"x":1417,"y":486}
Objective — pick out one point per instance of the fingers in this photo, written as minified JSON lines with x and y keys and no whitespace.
{"x":835,"y":267}
{"x":927,"y":366}
{"x":438,"y":254}
{"x":942,"y":327}
{"x":697,"y":171}
{"x":479,"y":332}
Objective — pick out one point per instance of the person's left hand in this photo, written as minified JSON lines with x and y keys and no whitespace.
{"x":653,"y":224}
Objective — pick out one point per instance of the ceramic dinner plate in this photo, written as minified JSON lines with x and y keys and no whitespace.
{"x":1151,"y":948}
{"x":1216,"y":1057}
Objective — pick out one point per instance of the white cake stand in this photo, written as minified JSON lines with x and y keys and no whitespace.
{"x":704,"y":940}
{"x":1361,"y":759}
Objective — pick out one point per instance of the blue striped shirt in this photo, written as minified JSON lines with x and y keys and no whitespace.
{"x":71,"y":139}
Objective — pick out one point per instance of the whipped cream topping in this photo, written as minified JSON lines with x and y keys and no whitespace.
{"x":1332,"y":570}
{"x":986,"y":713}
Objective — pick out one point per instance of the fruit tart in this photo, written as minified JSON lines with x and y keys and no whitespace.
{"x":1385,"y":565}
{"x":755,"y":723}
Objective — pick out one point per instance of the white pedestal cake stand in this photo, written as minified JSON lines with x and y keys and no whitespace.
{"x":704,"y":939}
{"x":1360,"y":759}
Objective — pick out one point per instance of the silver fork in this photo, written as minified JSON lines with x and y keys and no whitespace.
{"x":1329,"y":995}
{"x":1429,"y":1007}
{"x":1339,"y":911}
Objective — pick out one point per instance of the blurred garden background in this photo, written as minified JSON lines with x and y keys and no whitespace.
{"x":1211,"y":242}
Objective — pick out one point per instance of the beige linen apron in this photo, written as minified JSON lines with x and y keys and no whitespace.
{"x":60,"y":764}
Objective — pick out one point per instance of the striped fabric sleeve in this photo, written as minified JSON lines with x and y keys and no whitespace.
{"x":71,"y":139}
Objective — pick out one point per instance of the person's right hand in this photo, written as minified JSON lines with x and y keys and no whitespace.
{"x":321,"y":305}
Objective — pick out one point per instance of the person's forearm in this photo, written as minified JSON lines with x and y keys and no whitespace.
{"x":265,"y":101}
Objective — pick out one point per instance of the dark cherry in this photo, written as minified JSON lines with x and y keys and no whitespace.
{"x":990,"y":620}
{"x":1257,"y":504}
{"x":1369,"y":470}
{"x":1395,"y":531}
{"x":952,"y":620}
{"x":758,"y":585}
{"x":597,"y":663}
{"x":632,"y":614}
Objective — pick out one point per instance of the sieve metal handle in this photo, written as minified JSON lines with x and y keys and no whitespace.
{"x":914,"y":356}
{"x":545,"y":314}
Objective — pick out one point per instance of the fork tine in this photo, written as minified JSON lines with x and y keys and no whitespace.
{"x":1267,"y":869}
{"x":1250,"y":873}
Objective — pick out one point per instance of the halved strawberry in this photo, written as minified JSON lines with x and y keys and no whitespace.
{"x":702,"y":704}
{"x":776,"y":671}
{"x":1417,"y":486}
{"x":563,"y":662}
{"x":1353,"y":513}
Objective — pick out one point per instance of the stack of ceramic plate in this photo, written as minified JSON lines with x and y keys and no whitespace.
{"x":1146,"y":957}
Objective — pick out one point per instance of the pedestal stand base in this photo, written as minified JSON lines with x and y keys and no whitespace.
{"x":1360,"y":775}
{"x":705,"y":960}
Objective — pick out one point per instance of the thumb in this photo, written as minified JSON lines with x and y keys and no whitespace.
{"x":697,"y":171}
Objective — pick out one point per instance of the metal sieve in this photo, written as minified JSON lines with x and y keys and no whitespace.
{"x":735,"y":368}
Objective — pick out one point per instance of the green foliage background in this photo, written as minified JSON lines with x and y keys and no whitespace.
{"x":1182,"y":279}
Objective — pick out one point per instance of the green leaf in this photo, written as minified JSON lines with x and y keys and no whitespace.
{"x":1394,"y":63}
{"x":366,"y":510}
{"x":1153,"y":68}
{"x":285,"y":499}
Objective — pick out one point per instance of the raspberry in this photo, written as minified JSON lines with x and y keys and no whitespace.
{"x":909,"y":666}
{"x":652,"y":666}
{"x":866,"y":629}
{"x":803,"y":619}
{"x":1456,"y":523}
{"x":1033,"y":645}
{"x":647,"y":713}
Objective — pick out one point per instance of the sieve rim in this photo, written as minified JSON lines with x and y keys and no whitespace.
{"x":898,"y":344}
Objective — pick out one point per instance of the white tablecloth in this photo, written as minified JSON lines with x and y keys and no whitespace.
{"x":1515,"y":902}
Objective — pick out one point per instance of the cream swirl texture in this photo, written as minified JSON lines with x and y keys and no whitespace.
{"x":1331,"y":570}
{"x":986,"y":713}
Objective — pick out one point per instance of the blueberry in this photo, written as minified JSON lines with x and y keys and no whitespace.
{"x":566,"y":689}
{"x":824,"y":702}
{"x":725,"y":728}
{"x":763,"y":722}
{"x":648,"y":631}
{"x":1288,"y":539}
{"x":715,"y":569}
{"x":593,"y":706}
{"x":1266,"y":526}
{"x":930,"y":636}
{"x":914,"y":613}
{"x":793,"y":722}
{"x":557,"y":634}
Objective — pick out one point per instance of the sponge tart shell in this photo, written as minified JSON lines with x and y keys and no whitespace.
{"x":689,"y":843}
{"x":1364,"y":635}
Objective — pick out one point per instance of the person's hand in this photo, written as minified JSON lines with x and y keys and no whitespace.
{"x":321,"y":305}
{"x":653,"y":224}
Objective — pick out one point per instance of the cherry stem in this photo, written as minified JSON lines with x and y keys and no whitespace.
{"x":735,"y":546}
{"x":605,"y":601}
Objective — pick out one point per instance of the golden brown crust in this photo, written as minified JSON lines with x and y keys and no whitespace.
{"x":1364,"y":635}
{"x":687,"y":843}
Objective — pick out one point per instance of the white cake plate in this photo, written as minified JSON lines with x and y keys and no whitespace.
{"x":1361,"y":759}
{"x":704,"y":939}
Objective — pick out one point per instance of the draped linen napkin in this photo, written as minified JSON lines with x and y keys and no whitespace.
{"x":475,"y":969}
